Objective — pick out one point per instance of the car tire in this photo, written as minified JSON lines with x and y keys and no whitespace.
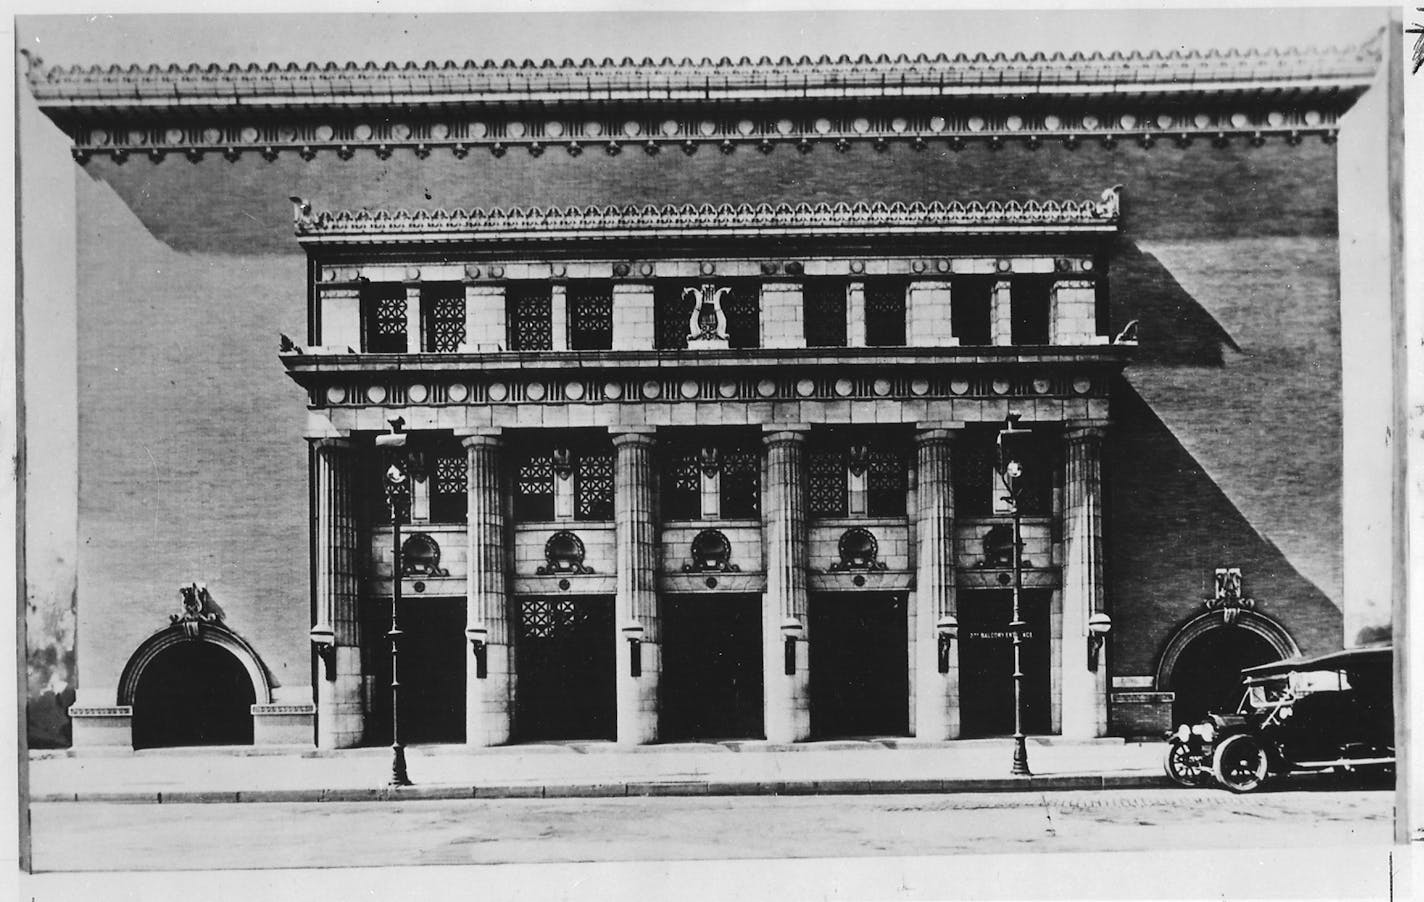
{"x":1240,"y":763}
{"x":1179,"y":763}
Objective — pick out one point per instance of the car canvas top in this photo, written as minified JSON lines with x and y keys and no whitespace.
{"x":1335,"y":660}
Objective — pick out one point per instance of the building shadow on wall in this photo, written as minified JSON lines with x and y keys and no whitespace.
{"x":1174,"y":328}
{"x":1183,"y":526}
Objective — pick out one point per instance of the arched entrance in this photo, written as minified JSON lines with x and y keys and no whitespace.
{"x":1203,"y":662}
{"x":193,"y":693}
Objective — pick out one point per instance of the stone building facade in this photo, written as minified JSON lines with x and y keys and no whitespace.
{"x":701,"y":368}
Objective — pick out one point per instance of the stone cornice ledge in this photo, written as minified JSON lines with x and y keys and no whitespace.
{"x":294,"y":84}
{"x":692,"y":220}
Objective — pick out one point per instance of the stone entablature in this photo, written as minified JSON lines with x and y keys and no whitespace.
{"x":688,"y":104}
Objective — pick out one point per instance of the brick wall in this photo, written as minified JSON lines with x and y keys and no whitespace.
{"x":1227,"y":449}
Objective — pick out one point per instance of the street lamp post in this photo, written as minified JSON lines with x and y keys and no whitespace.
{"x":397,"y":486}
{"x":1011,"y":472}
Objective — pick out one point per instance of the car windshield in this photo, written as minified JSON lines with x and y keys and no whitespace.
{"x":1265,"y":694}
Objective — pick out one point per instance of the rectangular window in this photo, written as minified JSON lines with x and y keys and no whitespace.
{"x":970,"y":303}
{"x":593,"y":485}
{"x":383,"y":318}
{"x":740,"y":478}
{"x":442,"y":317}
{"x":671,"y":311}
{"x":826,"y":482}
{"x":448,"y":500}
{"x":884,"y":312}
{"x":590,"y":316}
{"x":530,"y":317}
{"x":742,"y":307}
{"x":681,"y":483}
{"x":534,"y":486}
{"x":886,"y":481}
{"x":1030,"y":306}
{"x":824,"y":305}
{"x":978,"y":488}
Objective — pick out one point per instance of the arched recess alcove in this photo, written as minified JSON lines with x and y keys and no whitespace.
{"x":194,"y":690}
{"x":1202,"y":663}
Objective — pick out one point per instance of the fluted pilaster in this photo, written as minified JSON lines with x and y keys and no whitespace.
{"x":787,"y":697}
{"x":488,"y":699}
{"x":636,"y":601}
{"x":340,"y":718}
{"x":937,"y":694}
{"x":1084,"y":691}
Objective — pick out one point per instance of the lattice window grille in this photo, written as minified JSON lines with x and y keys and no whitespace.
{"x":670,"y":318}
{"x":886,"y":481}
{"x":682,"y":484}
{"x":884,"y":312}
{"x":449,"y":475}
{"x":593,"y":487}
{"x":743,"y":309}
{"x":445,"y":324}
{"x":825,"y":313}
{"x":532,"y":320}
{"x":544,"y":618}
{"x":740,"y":477}
{"x":826,"y":482}
{"x":976,"y":483}
{"x":590,"y":317}
{"x":536,"y":476}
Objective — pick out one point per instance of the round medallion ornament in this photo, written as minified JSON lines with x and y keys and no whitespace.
{"x":213,"y":135}
{"x":1014,"y":123}
{"x":554,"y":128}
{"x":708,"y":268}
{"x":861,"y":125}
{"x":727,"y":388}
{"x":942,"y":266}
{"x":652,"y":389}
{"x":822,"y":126}
{"x":1201,"y":120}
{"x":612,"y":391}
{"x":707,"y":128}
{"x":498,"y":391}
{"x":1087,"y":266}
{"x":784,"y":126}
{"x":920,"y":387}
{"x":1001,"y":386}
{"x":1002,"y":265}
{"x":766,"y":388}
{"x":1164,"y":121}
{"x":805,"y":387}
{"x":496,"y":272}
{"x":457,"y":392}
{"x":516,"y":129}
{"x":1312,"y":117}
{"x":1275,"y":118}
{"x":417,"y":393}
{"x":937,"y":123}
{"x":400,"y":131}
{"x":844,"y":387}
{"x":1239,"y":120}
{"x":646,"y":269}
{"x":535,"y":391}
{"x":439,"y":131}
{"x":688,"y":388}
{"x":1128,"y":120}
{"x":248,"y":135}
{"x":899,"y":124}
{"x":100,"y":137}
{"x":745,"y":127}
{"x":1052,"y":122}
{"x":959,"y":386}
{"x":918,"y":266}
{"x":335,"y":394}
{"x":573,"y":390}
{"x":328,"y":274}
{"x":592,"y":128}
{"x":881,"y":387}
{"x":976,"y":123}
{"x":1041,"y":386}
{"x":1082,"y":385}
{"x":362,"y":132}
{"x":857,"y":266}
{"x":631,"y":128}
{"x":376,"y":394}
{"x":669,"y":127}
{"x":477,"y":129}
{"x":173,"y":136}
{"x":1090,"y":121}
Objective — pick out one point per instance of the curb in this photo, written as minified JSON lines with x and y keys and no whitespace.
{"x":615,"y":790}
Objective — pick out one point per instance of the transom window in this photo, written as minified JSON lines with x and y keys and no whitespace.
{"x":563,"y":479}
{"x":857,"y":473}
{"x":716,"y":477}
{"x":383,"y":318}
{"x":590,"y":306}
{"x":442,"y":314}
{"x":673,"y":305}
{"x":978,"y":490}
{"x":529,"y":311}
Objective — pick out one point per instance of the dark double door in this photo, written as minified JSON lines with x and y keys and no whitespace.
{"x":986,"y":662}
{"x":712,"y":680}
{"x":432,"y":670}
{"x":565,"y":666}
{"x":860,"y":683}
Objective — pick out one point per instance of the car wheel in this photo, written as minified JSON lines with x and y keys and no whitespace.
{"x":1183,"y":766}
{"x":1240,"y":763}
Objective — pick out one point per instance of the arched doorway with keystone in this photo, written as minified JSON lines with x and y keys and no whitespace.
{"x":1201,"y":665}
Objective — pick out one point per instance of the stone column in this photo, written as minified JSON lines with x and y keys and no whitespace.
{"x":936,"y":694}
{"x":855,"y":314}
{"x":340,"y":716}
{"x":787,"y":698}
{"x":412,"y":318}
{"x":558,"y":317}
{"x":1001,"y":314}
{"x":489,"y":701}
{"x":1085,"y":692}
{"x":636,"y":560}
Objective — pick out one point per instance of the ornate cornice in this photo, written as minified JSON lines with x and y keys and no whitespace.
{"x":707,"y":220}
{"x":687,"y":104}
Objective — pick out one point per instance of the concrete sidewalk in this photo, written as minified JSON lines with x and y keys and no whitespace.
{"x":590,"y":769}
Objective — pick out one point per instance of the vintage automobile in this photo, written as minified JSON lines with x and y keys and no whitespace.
{"x":1332,"y":712}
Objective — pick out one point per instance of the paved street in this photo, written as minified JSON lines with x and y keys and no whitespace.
{"x":106,"y":836}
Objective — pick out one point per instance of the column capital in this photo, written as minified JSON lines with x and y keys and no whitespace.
{"x":471,"y":438}
{"x":1086,"y":430}
{"x":775,"y":434}
{"x":934,"y":431}
{"x":331,"y":443}
{"x":633,"y":435}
